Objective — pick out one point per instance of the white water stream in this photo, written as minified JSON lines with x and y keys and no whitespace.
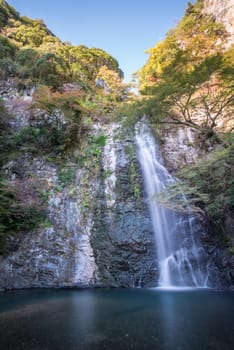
{"x":181,"y":258}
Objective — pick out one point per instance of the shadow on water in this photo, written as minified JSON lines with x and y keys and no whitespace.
{"x":117,"y":319}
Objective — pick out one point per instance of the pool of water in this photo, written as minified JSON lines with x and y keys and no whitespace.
{"x":116,"y":319}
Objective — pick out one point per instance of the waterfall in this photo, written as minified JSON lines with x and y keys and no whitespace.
{"x":181,"y":258}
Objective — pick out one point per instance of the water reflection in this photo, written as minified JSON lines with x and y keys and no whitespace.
{"x":116,"y":320}
{"x":82,"y":312}
{"x":168,"y":320}
{"x":196,"y":320}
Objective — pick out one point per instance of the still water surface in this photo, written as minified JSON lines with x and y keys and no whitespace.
{"x":117,"y":319}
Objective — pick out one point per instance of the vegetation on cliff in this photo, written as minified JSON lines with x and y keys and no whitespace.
{"x":188,"y":77}
{"x":74,"y":86}
{"x":30,"y":52}
{"x":188,"y":82}
{"x":213,"y":177}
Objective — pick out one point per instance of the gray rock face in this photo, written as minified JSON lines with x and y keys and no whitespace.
{"x":98,"y":231}
{"x":223,"y":11}
{"x":56,"y":256}
{"x":221,"y":266}
{"x":17,"y":103}
{"x":180,"y":148}
{"x":122,"y":236}
{"x":65,"y":212}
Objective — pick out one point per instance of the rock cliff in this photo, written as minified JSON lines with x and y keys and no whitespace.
{"x":182,"y":146}
{"x":223,"y":12}
{"x":122,"y":236}
{"x":98,"y":231}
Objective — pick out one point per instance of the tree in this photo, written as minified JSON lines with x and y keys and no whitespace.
{"x":50,"y":70}
{"x":71,"y":104}
{"x":187,"y":79}
{"x":7,"y":49}
{"x":112,"y":84}
{"x":202,"y":99}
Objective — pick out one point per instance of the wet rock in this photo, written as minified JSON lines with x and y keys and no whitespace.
{"x":182,"y":147}
{"x":122,"y":235}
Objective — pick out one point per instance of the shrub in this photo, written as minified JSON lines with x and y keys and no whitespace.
{"x":7,"y":68}
{"x":7,"y":49}
{"x":45,"y":139}
{"x":16,"y":216}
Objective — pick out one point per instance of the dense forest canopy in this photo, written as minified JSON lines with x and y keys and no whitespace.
{"x":30,"y":50}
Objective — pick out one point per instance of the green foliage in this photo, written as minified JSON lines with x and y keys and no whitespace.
{"x":43,"y":140}
{"x":100,"y":140}
{"x":16,"y":216}
{"x":6,"y":144}
{"x":189,"y":72}
{"x":49,"y":70}
{"x":27,"y":32}
{"x":43,"y":58}
{"x":7,"y":12}
{"x":26,"y":57}
{"x":134,"y":181}
{"x":230,"y":250}
{"x":173,"y":198}
{"x":66,"y":174}
{"x":227,"y":67}
{"x":25,"y":61}
{"x":54,"y":137}
{"x":214,"y":177}
{"x":90,"y":151}
{"x":112,"y":85}
{"x":83,"y":64}
{"x":60,"y":117}
{"x":7,"y":68}
{"x":7,"y":49}
{"x":209,"y":187}
{"x":71,"y":104}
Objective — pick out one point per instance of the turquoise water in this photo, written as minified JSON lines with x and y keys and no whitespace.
{"x":116,"y":319}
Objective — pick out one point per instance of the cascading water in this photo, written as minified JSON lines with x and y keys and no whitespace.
{"x":181,"y":258}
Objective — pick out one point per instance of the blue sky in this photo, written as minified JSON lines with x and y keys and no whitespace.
{"x":123,"y":28}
